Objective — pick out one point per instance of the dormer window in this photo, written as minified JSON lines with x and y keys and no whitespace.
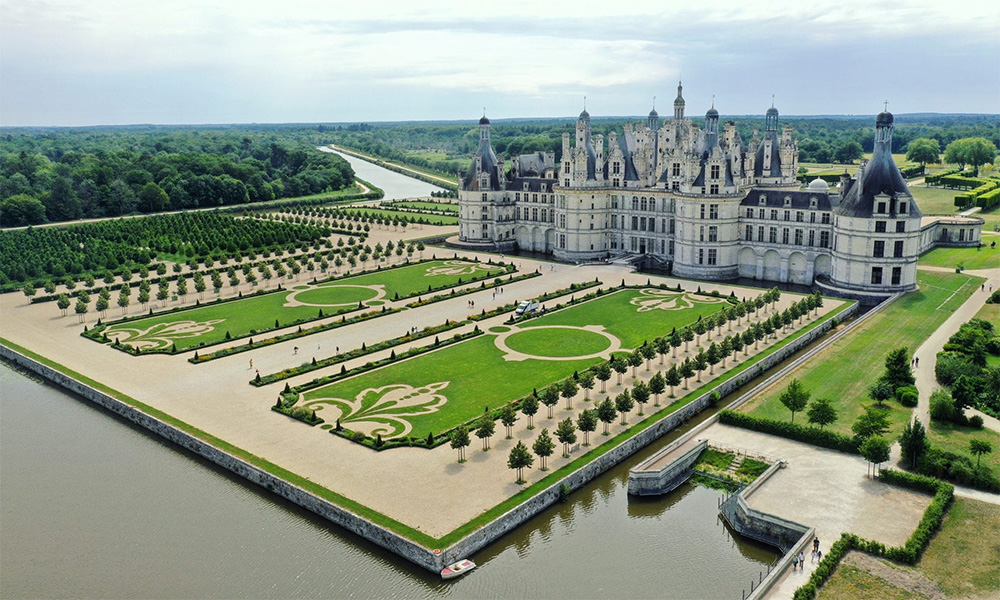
{"x":902,"y":208}
{"x":881,"y":208}
{"x":763,"y":199}
{"x":788,"y":201}
{"x":812,"y":202}
{"x":526,"y":187}
{"x":714,"y":172}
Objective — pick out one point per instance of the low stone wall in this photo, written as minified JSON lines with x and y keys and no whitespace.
{"x":645,"y":482}
{"x":375,"y":533}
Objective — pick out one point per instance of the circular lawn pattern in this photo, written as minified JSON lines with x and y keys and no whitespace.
{"x":335,"y":295}
{"x":499,"y":329}
{"x":557,"y":342}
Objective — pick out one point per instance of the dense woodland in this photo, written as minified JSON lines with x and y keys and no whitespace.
{"x":821,"y":139}
{"x":63,"y":174}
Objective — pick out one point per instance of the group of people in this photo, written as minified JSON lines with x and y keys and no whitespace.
{"x":799,"y":560}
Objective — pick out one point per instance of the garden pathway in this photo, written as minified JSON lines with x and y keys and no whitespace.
{"x":927,"y":352}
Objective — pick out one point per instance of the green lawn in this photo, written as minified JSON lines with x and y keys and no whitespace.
{"x":436,"y":391}
{"x":955,"y":438}
{"x":421,"y":205}
{"x":851,"y":583}
{"x":381,"y":212}
{"x":963,"y":557}
{"x":991,"y":313}
{"x":971,"y":258}
{"x":935,"y":200}
{"x":845,"y":370}
{"x":623,"y":316}
{"x":209,"y":324}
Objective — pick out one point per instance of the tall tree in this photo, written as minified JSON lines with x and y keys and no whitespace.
{"x":821,"y":412}
{"x":606,"y":413}
{"x":549,"y":397}
{"x":620,"y":367}
{"x":795,"y":397}
{"x":913,"y":442}
{"x":529,"y":406}
{"x":923,"y":151}
{"x":624,"y":404}
{"x":508,"y":416}
{"x":543,"y":447}
{"x":874,"y":422}
{"x":648,"y":352}
{"x":567,"y":390}
{"x":875,"y":449}
{"x":603,"y":374}
{"x":979,"y":448}
{"x":657,"y":385}
{"x":459,"y":440}
{"x":587,"y":422}
{"x":485,"y":430}
{"x":640,"y":393}
{"x":587,"y":383}
{"x":566,"y":433}
{"x":880,"y":391}
{"x":897,"y":368}
{"x":520,"y":459}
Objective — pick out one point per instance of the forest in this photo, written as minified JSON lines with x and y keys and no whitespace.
{"x":56,"y":174}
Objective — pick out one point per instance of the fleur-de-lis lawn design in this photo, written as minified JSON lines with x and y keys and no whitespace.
{"x":456,"y":267}
{"x":666,"y":300}
{"x":161,"y":335}
{"x":383,"y":411}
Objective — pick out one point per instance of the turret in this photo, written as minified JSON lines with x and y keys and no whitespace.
{"x":679,"y":103}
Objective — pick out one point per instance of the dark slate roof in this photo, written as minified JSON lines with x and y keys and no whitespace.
{"x":585,"y":114}
{"x":489,"y":164}
{"x":776,"y":199}
{"x":535,"y":184}
{"x":712,"y":113}
{"x":879,"y":176}
{"x":484,"y":121}
{"x":535,"y":163}
{"x":770,"y":138}
{"x":884,"y":118}
{"x":626,"y":142}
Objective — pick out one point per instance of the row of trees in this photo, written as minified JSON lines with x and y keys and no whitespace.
{"x":965,"y":151}
{"x":55,"y":252}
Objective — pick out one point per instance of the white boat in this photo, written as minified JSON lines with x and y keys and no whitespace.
{"x":460,"y":568}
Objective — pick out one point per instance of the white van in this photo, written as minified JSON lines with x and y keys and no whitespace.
{"x":526,"y":306}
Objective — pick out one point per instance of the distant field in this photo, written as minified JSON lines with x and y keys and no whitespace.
{"x":421,"y":205}
{"x":431,"y":219}
{"x":935,"y":200}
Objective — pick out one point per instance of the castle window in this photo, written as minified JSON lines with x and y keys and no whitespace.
{"x":671,"y":247}
{"x":824,"y":239}
{"x":565,"y":182}
{"x":676,"y":170}
{"x":713,"y":233}
{"x":825,"y":219}
{"x":543,"y":215}
{"x":663,"y":225}
{"x":749,"y":213}
{"x":566,"y":168}
{"x":517,"y":213}
{"x":562,"y":240}
{"x":517,"y":197}
{"x":635,"y":203}
{"x":615,"y":183}
{"x":525,"y":187}
{"x":644,"y":204}
{"x":774,"y":215}
{"x":881,"y":207}
{"x":635,"y":223}
{"x":876,"y":275}
{"x":562,"y":221}
{"x":897,"y":275}
{"x":616,"y":168}
{"x":897,"y":249}
{"x":760,"y":233}
{"x":798,"y":237}
{"x":812,"y":217}
{"x":879,"y":226}
{"x":714,"y":172}
{"x":773,"y":235}
{"x":642,"y":223}
{"x":812,"y":202}
{"x":749,"y":234}
{"x":712,"y":256}
{"x":800,"y":216}
{"x":534,"y":197}
{"x":713,"y":189}
{"x":900,"y":226}
{"x":534,"y":214}
{"x":614,"y":221}
{"x":543,"y":198}
{"x":762,"y":200}
{"x":713,"y":211}
{"x":701,"y":256}
{"x":812,"y":237}
{"x":788,"y":201}
{"x":879,"y":249}
{"x":614,"y":201}
{"x":701,"y":233}
{"x":702,"y":211}
{"x":675,"y":186}
{"x":902,"y":208}
{"x":784,"y":235}
{"x":672,"y":225}
{"x":760,"y":214}
{"x":485,"y":197}
{"x":788,"y":215}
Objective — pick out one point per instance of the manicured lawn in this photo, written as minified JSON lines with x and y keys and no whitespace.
{"x":380,"y":212}
{"x":632,"y":316}
{"x":845,"y":370}
{"x":955,"y":438}
{"x":472,"y":375}
{"x":992,"y":219}
{"x":971,"y":258}
{"x":991,"y":313}
{"x":963,"y":557}
{"x":558,"y":342}
{"x":851,"y":583}
{"x":419,"y":205}
{"x":209,"y":324}
{"x":935,"y":200}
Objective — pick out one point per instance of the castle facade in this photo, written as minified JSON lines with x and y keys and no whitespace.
{"x":696,"y":199}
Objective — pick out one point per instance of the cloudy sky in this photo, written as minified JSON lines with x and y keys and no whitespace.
{"x":74,"y":62}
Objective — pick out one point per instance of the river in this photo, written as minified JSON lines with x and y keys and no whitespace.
{"x":92,"y":506}
{"x":395,"y":185}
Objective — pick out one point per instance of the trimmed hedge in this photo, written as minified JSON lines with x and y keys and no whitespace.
{"x":937,"y":177}
{"x":794,"y":431}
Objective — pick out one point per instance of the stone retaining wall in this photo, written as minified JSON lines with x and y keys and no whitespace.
{"x":666,"y":479}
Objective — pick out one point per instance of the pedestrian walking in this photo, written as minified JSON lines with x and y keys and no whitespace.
{"x":819,"y":555}
{"x":795,"y":561}
{"x":295,"y":350}
{"x":802,"y":561}
{"x":917,"y":359}
{"x":251,"y":364}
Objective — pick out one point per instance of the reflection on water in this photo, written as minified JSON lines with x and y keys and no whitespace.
{"x":394,"y":185}
{"x":91,"y":506}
